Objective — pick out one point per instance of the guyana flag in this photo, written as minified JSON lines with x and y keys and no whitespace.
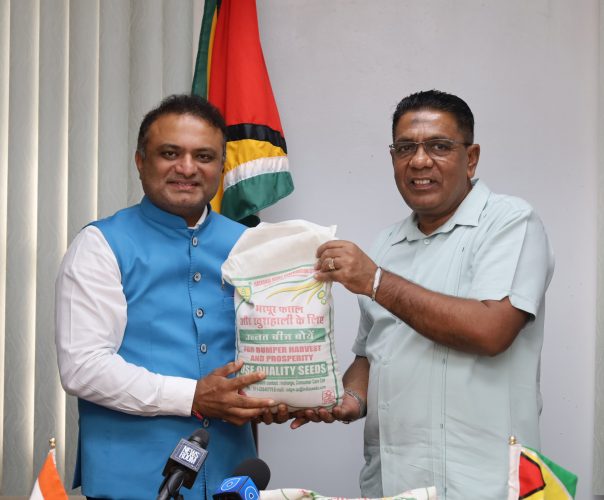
{"x":535,"y":477}
{"x":230,"y":72}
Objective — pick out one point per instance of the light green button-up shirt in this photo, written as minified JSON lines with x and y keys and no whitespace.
{"x":437,"y":416}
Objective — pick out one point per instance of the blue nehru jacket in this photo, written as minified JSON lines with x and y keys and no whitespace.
{"x":181,"y":322}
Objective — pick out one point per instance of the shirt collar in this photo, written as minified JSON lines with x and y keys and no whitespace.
{"x":467,"y":214}
{"x":203,"y":217}
{"x":160,"y":216}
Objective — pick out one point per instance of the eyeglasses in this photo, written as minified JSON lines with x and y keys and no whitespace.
{"x":434,"y":148}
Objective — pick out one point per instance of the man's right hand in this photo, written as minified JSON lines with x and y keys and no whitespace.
{"x":347,"y":412}
{"x":355,"y":380}
{"x":218,"y":396}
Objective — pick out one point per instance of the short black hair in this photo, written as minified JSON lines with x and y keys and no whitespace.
{"x":181,"y":104}
{"x":441,"y":101}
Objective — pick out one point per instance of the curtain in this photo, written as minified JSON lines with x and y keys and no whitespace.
{"x":598,"y":479}
{"x":76,"y":77}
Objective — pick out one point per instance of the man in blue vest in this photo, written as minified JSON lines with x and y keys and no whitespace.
{"x":145,"y":327}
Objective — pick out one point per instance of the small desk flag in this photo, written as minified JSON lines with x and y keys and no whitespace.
{"x":535,"y":477}
{"x":49,"y":486}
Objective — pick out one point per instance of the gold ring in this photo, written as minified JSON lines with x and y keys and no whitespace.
{"x":331,"y":264}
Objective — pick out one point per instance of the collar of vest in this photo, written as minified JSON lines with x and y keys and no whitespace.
{"x":166,"y":218}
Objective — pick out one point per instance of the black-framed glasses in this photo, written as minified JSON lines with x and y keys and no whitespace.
{"x":435,"y":148}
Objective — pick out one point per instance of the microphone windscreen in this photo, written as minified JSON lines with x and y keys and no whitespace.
{"x":201,"y":437}
{"x":256,"y":469}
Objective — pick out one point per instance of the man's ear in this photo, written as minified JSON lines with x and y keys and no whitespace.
{"x":138,"y":159}
{"x":473,"y":157}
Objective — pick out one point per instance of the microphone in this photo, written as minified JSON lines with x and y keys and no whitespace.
{"x":249,"y":477}
{"x":183,"y":465}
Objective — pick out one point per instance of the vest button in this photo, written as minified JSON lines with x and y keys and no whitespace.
{"x":203,"y":348}
{"x":197,"y":277}
{"x":194,"y":241}
{"x":206,"y":422}
{"x":199,"y":312}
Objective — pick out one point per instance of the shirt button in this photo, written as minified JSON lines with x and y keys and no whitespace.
{"x":199,"y":312}
{"x":426,"y":241}
{"x":203,"y":348}
{"x":194,"y":241}
{"x":206,"y":422}
{"x":197,"y":277}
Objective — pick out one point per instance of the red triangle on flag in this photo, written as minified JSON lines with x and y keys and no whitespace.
{"x":530,"y":476}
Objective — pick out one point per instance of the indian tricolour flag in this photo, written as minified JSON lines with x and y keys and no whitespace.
{"x":48,"y":486}
{"x":231,"y":73}
{"x":535,"y":477}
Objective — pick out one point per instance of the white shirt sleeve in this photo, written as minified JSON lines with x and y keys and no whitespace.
{"x":90,"y":316}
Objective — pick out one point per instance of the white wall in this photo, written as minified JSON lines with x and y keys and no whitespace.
{"x":529,"y":72}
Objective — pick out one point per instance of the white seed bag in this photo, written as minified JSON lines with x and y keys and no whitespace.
{"x":285,"y":316}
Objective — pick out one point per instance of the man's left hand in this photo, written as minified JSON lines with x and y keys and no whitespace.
{"x":346,"y":263}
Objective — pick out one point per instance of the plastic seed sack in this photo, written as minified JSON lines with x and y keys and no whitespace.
{"x":285,"y":316}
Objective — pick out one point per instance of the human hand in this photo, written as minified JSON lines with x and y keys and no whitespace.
{"x":346,"y":263}
{"x":347,"y":412}
{"x":218,"y":396}
{"x":281,"y":416}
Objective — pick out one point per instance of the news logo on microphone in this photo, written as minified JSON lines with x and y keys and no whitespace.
{"x":183,"y":465}
{"x":248,"y":479}
{"x":237,"y":488}
{"x":189,"y":454}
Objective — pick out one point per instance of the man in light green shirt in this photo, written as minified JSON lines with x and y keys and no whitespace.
{"x":452,"y":308}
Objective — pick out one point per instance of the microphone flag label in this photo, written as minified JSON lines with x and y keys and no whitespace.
{"x":189,"y":454}
{"x":238,"y":487}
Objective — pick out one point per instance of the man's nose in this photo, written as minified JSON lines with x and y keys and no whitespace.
{"x":186,"y":165}
{"x":421,"y":158}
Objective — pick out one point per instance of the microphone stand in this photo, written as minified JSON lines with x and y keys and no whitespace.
{"x":170,"y":487}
